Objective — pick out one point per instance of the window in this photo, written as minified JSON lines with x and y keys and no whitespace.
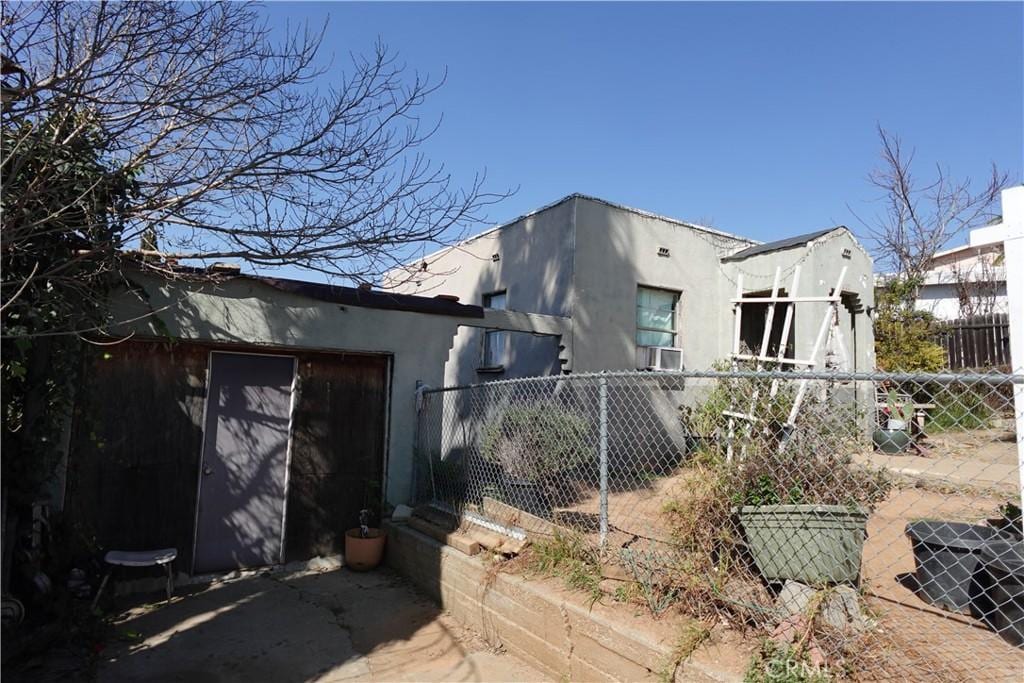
{"x":495,"y":342}
{"x":656,"y":317}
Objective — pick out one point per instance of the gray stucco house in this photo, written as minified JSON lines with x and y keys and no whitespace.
{"x":629,"y":280}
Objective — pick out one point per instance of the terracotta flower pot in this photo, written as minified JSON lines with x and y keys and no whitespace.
{"x":363,"y":554}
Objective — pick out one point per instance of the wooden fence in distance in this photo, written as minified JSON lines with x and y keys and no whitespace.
{"x":981,"y":341}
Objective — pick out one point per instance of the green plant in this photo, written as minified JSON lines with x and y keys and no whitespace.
{"x":737,"y":394}
{"x":533,"y":442}
{"x":959,"y":407}
{"x":628,"y":593}
{"x":904,"y":336}
{"x":805,"y":476}
{"x":899,"y":410}
{"x":807,"y":462}
{"x":63,"y":206}
{"x":774,"y":663}
{"x":570,"y":557}
{"x":644,"y":565}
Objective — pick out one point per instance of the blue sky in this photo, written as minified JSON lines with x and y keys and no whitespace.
{"x":759,"y":118}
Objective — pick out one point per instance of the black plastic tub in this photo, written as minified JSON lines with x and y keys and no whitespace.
{"x":528,"y":496}
{"x":946,"y":556}
{"x":1001,"y":581}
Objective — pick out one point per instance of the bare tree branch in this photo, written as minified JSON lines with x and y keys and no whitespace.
{"x":918,"y":219}
{"x":236,"y":149}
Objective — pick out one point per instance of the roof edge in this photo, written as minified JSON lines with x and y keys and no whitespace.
{"x":336,"y":294}
{"x":579,"y":195}
{"x":667,"y":219}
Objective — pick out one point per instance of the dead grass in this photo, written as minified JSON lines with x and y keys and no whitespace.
{"x":692,"y":634}
{"x":570,"y":557}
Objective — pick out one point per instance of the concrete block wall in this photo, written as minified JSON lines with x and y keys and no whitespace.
{"x":552,"y":631}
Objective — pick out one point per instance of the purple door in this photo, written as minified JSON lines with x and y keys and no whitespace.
{"x":244,"y":468}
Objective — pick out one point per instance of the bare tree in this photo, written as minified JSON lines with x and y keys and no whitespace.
{"x":920,"y":217}
{"x":917,"y":220}
{"x":979,"y":284}
{"x":231,"y":149}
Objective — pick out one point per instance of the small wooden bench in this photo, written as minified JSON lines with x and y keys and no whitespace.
{"x":142,"y":558}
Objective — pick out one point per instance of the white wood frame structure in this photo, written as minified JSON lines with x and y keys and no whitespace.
{"x":831,"y":314}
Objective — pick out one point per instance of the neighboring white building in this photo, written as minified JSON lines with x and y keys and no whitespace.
{"x":967,"y":280}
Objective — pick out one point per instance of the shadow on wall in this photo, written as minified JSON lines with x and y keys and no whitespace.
{"x":134,"y":468}
{"x":537,"y":275}
{"x":534,"y":271}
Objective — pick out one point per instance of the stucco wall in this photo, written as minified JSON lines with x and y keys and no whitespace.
{"x":251,"y":313}
{"x":534,"y":268}
{"x":821,"y":261}
{"x":584,"y":258}
{"x":617,"y":250}
{"x":943,"y":300}
{"x":245,"y":311}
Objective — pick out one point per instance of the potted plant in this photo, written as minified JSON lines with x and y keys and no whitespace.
{"x":364,"y":544}
{"x":1010,"y":521}
{"x":895,"y":436}
{"x":804,"y":512}
{"x":532,"y":445}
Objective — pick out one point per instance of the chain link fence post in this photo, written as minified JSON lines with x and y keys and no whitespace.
{"x":602,"y":418}
{"x":884,"y":532}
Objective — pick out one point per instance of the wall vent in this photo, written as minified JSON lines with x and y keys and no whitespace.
{"x":495,"y":257}
{"x":663,"y":251}
{"x":847,"y":254}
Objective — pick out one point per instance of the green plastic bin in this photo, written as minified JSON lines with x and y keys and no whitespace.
{"x":813,"y":544}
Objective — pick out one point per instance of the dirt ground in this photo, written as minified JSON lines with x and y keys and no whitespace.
{"x":927,"y":638}
{"x":963,"y":476}
{"x":332,"y":626}
{"x":983,"y":459}
{"x":997,"y":446}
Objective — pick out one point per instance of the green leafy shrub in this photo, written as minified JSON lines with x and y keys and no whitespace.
{"x":708,"y":419}
{"x":904,"y":336}
{"x":532,"y":442}
{"x":959,"y":407}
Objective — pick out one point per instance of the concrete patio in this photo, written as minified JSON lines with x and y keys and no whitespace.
{"x":332,"y":626}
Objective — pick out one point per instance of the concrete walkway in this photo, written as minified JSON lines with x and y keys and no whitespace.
{"x":953,"y":472}
{"x":332,"y":626}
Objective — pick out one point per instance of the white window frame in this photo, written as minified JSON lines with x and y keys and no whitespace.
{"x":487,"y":347}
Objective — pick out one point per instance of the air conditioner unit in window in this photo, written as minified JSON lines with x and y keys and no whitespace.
{"x":659,"y":358}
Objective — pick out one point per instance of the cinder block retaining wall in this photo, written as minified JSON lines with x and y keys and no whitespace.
{"x":530,"y":619}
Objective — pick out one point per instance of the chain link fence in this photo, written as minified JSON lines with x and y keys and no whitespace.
{"x":864,"y":525}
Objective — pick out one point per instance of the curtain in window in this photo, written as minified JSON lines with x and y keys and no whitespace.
{"x":655,"y":317}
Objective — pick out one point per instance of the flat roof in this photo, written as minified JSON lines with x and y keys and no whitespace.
{"x":370,"y":298}
{"x":338,"y":294}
